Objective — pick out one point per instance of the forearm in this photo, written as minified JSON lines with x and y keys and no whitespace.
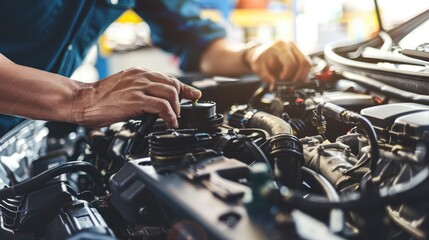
{"x":35,"y":94}
{"x":224,"y":58}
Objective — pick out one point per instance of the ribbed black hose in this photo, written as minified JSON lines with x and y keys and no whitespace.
{"x":37,"y":182}
{"x":270,"y":123}
{"x":286,"y":152}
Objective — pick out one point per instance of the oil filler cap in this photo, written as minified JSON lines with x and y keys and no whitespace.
{"x":200,"y":115}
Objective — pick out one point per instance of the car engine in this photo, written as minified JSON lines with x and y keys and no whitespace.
{"x":343,"y":155}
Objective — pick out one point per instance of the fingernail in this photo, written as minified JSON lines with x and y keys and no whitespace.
{"x":175,"y":124}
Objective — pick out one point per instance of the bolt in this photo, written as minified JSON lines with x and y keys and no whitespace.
{"x":142,"y":211}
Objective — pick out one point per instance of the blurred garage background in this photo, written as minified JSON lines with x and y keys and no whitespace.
{"x":310,"y":23}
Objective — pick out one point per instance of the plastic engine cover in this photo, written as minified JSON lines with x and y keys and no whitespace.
{"x":383,"y":116}
{"x":411,"y":128}
{"x":79,"y":220}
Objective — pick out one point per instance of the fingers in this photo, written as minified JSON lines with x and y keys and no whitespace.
{"x":163,"y":100}
{"x":280,"y":60}
{"x":288,"y":61}
{"x":189,"y":92}
{"x":131,"y":93}
{"x":166,"y":92}
{"x":184,"y":90}
{"x":266,"y":76}
{"x":162,"y":107}
{"x":168,"y":80}
{"x":303,"y":65}
{"x":294,"y":65}
{"x":170,"y":88}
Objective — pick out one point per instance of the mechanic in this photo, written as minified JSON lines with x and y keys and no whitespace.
{"x":43,"y":42}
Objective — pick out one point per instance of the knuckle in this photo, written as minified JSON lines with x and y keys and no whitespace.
{"x":173,"y":83}
{"x":135,"y":95}
{"x":139,"y":68}
{"x":291,"y":44}
{"x":176,"y":83}
{"x":171,"y":92}
{"x":163,"y":77}
{"x":279,"y":43}
{"x":147,"y":87}
{"x":159,"y":75}
{"x":136,"y":69}
{"x":163,"y":105}
{"x":307,"y":64}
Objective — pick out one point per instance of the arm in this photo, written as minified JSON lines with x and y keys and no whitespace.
{"x":176,"y":27}
{"x":37,"y":94}
{"x":32,"y":93}
{"x":278,"y":60}
{"x":224,"y":58}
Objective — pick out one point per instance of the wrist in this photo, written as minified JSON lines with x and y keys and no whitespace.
{"x":247,"y":53}
{"x":80,"y":98}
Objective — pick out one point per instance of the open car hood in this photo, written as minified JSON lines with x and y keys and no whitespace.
{"x":381,"y":58}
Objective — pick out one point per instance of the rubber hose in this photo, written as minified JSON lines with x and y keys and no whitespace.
{"x":37,"y":182}
{"x":270,"y":123}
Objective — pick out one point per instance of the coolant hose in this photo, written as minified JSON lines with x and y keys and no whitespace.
{"x":270,"y":123}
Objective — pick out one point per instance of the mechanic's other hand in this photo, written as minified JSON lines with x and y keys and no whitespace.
{"x":128,"y":94}
{"x":278,"y":60}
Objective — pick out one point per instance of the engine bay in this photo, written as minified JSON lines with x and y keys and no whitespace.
{"x":341,"y":156}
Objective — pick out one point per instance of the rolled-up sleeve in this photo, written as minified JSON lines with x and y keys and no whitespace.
{"x":176,"y":27}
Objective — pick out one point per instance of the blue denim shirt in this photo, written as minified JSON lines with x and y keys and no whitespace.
{"x":55,"y":35}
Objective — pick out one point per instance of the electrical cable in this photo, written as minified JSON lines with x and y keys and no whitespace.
{"x":417,"y":190}
{"x":37,"y":182}
{"x":372,"y":137}
{"x":257,"y":152}
{"x":350,"y":117}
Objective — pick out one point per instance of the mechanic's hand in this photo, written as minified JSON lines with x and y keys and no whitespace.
{"x":278,"y":60}
{"x":128,"y":94}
